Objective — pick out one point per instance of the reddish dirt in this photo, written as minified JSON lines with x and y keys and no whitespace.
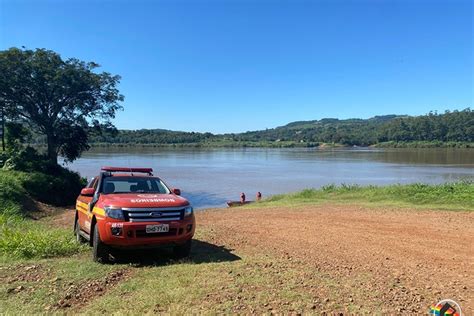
{"x":80,"y":295}
{"x":62,"y":218}
{"x":398,"y":260}
{"x":23,"y":273}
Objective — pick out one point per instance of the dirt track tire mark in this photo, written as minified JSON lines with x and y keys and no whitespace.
{"x":79,"y":296}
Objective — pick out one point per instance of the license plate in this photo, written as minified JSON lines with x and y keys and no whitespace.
{"x":162,"y":228}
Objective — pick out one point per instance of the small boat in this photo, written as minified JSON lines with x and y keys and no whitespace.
{"x":238,"y":203}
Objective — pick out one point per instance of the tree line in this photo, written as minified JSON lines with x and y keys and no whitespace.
{"x":450,"y":126}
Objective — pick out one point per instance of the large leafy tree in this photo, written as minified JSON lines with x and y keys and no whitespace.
{"x":64,"y":100}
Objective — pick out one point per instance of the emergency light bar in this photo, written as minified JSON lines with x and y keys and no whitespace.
{"x":124,"y":169}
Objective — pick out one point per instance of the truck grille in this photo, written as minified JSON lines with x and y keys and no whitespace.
{"x":153,"y":214}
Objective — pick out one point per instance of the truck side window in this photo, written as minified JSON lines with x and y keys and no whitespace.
{"x":92,"y":183}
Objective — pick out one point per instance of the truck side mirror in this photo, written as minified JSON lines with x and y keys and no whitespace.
{"x":176,"y":191}
{"x":88,"y":191}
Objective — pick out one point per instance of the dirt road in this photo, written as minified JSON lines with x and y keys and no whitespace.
{"x":339,"y":258}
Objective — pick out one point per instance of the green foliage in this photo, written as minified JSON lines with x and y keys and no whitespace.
{"x":15,"y":136}
{"x":457,"y":126}
{"x":453,"y":129}
{"x":19,"y":189}
{"x":20,"y":238}
{"x":60,"y":99}
{"x":43,"y":180}
{"x":425,"y":144}
{"x":28,"y":159}
{"x":456,"y":196}
{"x":12,"y":192}
{"x":61,"y":189}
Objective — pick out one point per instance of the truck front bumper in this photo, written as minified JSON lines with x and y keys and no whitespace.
{"x":134,"y":235}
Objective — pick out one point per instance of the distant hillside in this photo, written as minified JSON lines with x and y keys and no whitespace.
{"x":455,"y":127}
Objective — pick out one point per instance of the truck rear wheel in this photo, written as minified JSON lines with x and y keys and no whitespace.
{"x":100,"y":251}
{"x":77,"y":232}
{"x":182,"y":251}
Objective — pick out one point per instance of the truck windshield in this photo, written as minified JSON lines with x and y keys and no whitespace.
{"x":116,"y":185}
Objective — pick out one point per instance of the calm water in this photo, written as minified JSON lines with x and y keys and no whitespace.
{"x":210,"y":177}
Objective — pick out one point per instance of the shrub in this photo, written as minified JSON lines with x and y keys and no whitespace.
{"x":12,"y":192}
{"x":18,"y":189}
{"x":29,"y":160}
{"x":59,"y":190}
{"x":41,"y":179}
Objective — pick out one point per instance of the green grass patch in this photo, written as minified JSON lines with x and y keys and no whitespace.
{"x":24,"y":238}
{"x":449,"y":196}
{"x":21,"y":238}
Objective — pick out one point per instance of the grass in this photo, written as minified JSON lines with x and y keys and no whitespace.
{"x":209,"y":282}
{"x":448,"y":196}
{"x":189,"y":288}
{"x":22,"y":238}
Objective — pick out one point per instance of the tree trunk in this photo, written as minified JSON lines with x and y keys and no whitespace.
{"x":52,"y":149}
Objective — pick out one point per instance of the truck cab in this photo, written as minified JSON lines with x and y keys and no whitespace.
{"x":130,"y":208}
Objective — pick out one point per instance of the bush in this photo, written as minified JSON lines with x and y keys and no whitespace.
{"x":12,"y":192}
{"x":18,"y":189}
{"x":59,"y":190}
{"x":39,"y":179}
{"x":29,"y":160}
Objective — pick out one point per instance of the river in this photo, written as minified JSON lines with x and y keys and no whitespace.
{"x":210,"y":177}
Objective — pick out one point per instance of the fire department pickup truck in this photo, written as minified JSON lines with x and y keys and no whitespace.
{"x":131,"y":208}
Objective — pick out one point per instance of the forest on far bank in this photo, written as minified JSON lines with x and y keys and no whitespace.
{"x":431,"y":130}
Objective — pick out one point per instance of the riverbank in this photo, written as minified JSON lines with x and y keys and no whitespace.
{"x":448,"y":196}
{"x":317,"y":258}
{"x":284,"y":144}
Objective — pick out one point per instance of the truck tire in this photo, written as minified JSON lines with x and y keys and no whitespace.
{"x":77,"y":230}
{"x":100,"y":251}
{"x":182,"y":251}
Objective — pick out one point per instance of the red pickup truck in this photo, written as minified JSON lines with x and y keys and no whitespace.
{"x":131,"y":208}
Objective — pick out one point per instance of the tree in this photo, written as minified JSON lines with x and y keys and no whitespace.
{"x":61,"y":99}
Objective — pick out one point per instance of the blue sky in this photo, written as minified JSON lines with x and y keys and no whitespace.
{"x":232,"y":66}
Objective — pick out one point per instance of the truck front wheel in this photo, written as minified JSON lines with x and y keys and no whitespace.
{"x":100,"y":251}
{"x":182,"y":251}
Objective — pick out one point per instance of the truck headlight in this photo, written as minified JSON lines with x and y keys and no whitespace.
{"x":115,"y":213}
{"x":188,"y":211}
